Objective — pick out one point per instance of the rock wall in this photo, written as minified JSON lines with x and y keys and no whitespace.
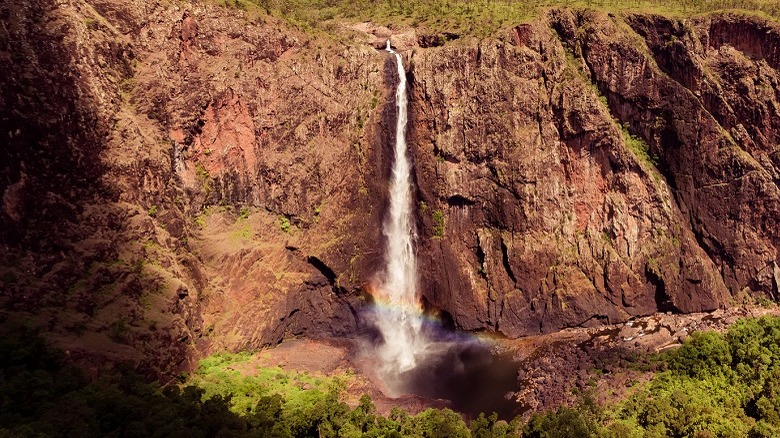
{"x":182,"y":177}
{"x":589,"y":169}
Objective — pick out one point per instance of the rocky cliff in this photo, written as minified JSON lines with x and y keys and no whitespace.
{"x":183,"y":177}
{"x":594,"y":168}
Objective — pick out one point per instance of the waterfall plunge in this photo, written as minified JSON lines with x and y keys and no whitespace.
{"x":400,"y":319}
{"x":417,"y":358}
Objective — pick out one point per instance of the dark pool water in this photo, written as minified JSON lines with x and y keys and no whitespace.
{"x":460,"y":368}
{"x":470,"y":375}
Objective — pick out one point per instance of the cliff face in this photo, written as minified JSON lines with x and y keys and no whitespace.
{"x":180,"y":178}
{"x":555,"y":216}
{"x":550,"y":220}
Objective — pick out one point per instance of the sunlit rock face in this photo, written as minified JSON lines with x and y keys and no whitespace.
{"x":204,"y":181}
{"x":554,"y":214}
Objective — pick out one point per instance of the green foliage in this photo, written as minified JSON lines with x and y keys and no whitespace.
{"x":317,"y":409}
{"x":491,"y":427}
{"x":678,"y":405}
{"x":242,"y":233}
{"x":200,"y":221}
{"x":219,"y":374}
{"x":204,"y":178}
{"x":639,"y":147}
{"x":713,"y":386}
{"x":704,"y":354}
{"x":563,"y":423}
{"x":285,"y":224}
{"x":465,"y":17}
{"x":716,"y":385}
{"x":42,"y":396}
{"x":438,"y":223}
{"x":764,"y":302}
{"x":436,"y":423}
{"x":119,"y":332}
{"x":580,"y":421}
{"x":152,"y":211}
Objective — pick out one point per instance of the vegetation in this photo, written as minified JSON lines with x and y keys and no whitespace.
{"x":285,"y":224}
{"x":713,"y":386}
{"x":639,"y":147}
{"x":635,"y":144}
{"x":222,"y":374}
{"x":465,"y":17}
{"x":42,"y":396}
{"x":91,"y":23}
{"x":438,"y":223}
{"x":205,"y":180}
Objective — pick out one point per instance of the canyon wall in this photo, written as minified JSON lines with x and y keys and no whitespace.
{"x":179,"y":178}
{"x":590,"y":168}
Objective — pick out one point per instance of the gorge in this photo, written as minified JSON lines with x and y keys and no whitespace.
{"x":180,"y":179}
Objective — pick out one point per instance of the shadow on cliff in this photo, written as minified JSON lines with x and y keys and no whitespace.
{"x":50,"y":128}
{"x":60,"y":252}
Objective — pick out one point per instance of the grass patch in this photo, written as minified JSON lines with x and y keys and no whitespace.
{"x":242,"y":233}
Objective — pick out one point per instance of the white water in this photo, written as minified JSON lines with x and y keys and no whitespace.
{"x":400,"y":320}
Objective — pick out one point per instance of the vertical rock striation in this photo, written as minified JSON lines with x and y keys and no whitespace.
{"x":184,"y":177}
{"x":580,"y":179}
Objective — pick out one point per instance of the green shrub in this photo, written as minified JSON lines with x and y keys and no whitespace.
{"x":285,"y":224}
{"x":562,"y":423}
{"x":704,"y":354}
{"x":438,"y":223}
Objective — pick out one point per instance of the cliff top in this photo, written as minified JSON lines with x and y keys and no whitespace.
{"x":477,"y":18}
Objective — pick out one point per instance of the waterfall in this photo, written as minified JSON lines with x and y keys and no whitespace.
{"x":400,"y":319}
{"x":416,"y":357}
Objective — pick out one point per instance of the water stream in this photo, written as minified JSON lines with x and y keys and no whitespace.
{"x":399,"y":321}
